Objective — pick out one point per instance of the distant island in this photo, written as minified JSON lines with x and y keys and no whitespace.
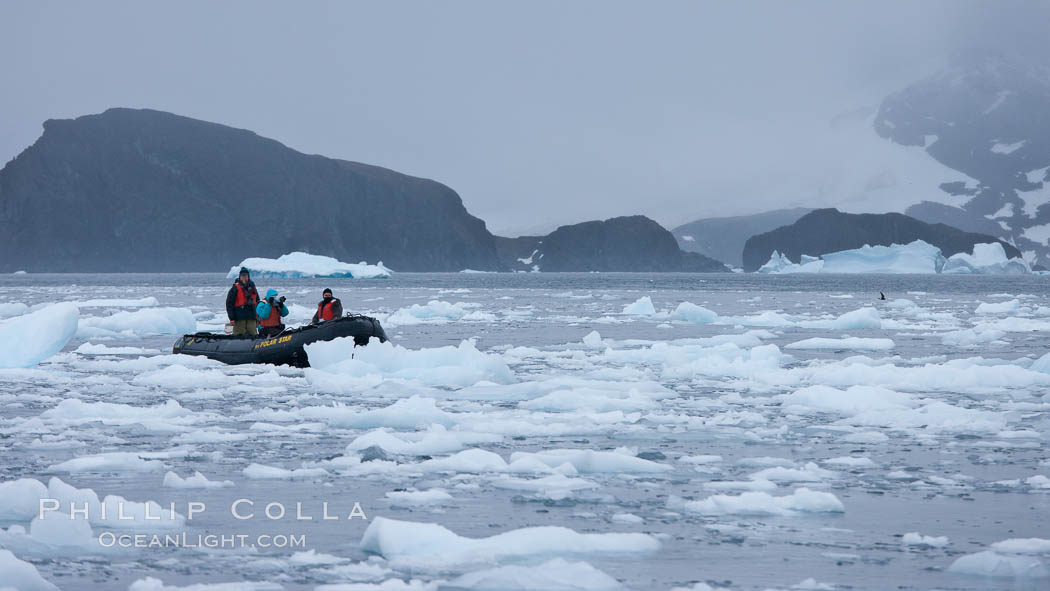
{"x":142,"y":190}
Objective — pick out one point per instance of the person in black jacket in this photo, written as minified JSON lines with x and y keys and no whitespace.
{"x":241,"y":301}
{"x":329,"y":308}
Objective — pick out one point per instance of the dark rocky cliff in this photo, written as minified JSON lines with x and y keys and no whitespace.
{"x":143,"y":190}
{"x":828,"y":230}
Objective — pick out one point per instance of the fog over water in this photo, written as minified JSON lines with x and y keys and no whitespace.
{"x":538,"y":113}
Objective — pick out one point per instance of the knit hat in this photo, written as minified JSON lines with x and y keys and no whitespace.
{"x":327,"y":290}
{"x":244,"y":271}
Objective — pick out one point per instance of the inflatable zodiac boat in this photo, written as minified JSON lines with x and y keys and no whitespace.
{"x":283,"y":349}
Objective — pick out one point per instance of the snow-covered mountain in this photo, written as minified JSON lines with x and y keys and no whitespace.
{"x":987,"y":117}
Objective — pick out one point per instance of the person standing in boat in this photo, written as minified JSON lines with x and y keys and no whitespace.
{"x":241,"y":301}
{"x":329,"y":308}
{"x":270,"y":311}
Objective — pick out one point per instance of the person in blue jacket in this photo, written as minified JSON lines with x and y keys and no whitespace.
{"x":270,"y":311}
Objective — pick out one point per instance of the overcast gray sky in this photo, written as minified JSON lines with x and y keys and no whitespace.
{"x":537,"y":113}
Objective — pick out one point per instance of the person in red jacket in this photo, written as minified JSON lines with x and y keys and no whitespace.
{"x":241,"y":301}
{"x":329,"y":308}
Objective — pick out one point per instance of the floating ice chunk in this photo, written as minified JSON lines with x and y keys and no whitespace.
{"x":198,"y":480}
{"x":438,"y":312}
{"x":594,"y":399}
{"x":180,"y":377}
{"x":112,"y":512}
{"x":430,"y":543}
{"x":434,"y":496}
{"x":695,"y":587}
{"x":12,"y":309}
{"x":588,"y":461}
{"x":20,"y":575}
{"x":554,"y":575}
{"x":407,"y":413}
{"x":28,"y":339}
{"x":808,"y":473}
{"x":850,"y":461}
{"x":21,"y":499}
{"x":435,"y":440}
{"x":1038,"y":481}
{"x":208,"y":436}
{"x":701,"y":459}
{"x":999,"y":307}
{"x":152,"y":584}
{"x":555,"y":486}
{"x":992,"y":564}
{"x":300,"y":264}
{"x":442,"y":366}
{"x":760,"y":485}
{"x":802,"y":500}
{"x":593,"y":340}
{"x":917,"y":539}
{"x":147,"y":302}
{"x":914,"y":257}
{"x":1023,"y":546}
{"x":764,"y":461}
{"x":866,"y":437}
{"x":313,"y":557}
{"x":643,"y":306}
{"x":469,"y":460}
{"x":147,"y":321}
{"x":690,"y":312}
{"x":986,"y":259}
{"x":854,"y":343}
{"x":116,"y":461}
{"x":971,"y":336}
{"x":77,"y":411}
{"x":261,"y":472}
{"x":860,"y":318}
{"x":854,"y":400}
{"x":96,"y":349}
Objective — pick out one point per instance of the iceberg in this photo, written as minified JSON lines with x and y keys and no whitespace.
{"x":22,"y":575}
{"x":28,"y":339}
{"x":143,"y":321}
{"x":12,"y":309}
{"x":780,"y":264}
{"x":986,"y":259}
{"x":298,"y":265}
{"x":912,"y":258}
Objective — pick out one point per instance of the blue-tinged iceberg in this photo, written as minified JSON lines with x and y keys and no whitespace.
{"x":28,"y":339}
{"x":915,"y":257}
{"x":912,"y":258}
{"x":780,"y":264}
{"x":986,"y":259}
{"x":301,"y":264}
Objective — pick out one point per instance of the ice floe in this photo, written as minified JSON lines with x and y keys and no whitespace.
{"x":434,"y":545}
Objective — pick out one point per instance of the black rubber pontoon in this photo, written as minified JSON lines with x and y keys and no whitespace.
{"x":283,"y":349}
